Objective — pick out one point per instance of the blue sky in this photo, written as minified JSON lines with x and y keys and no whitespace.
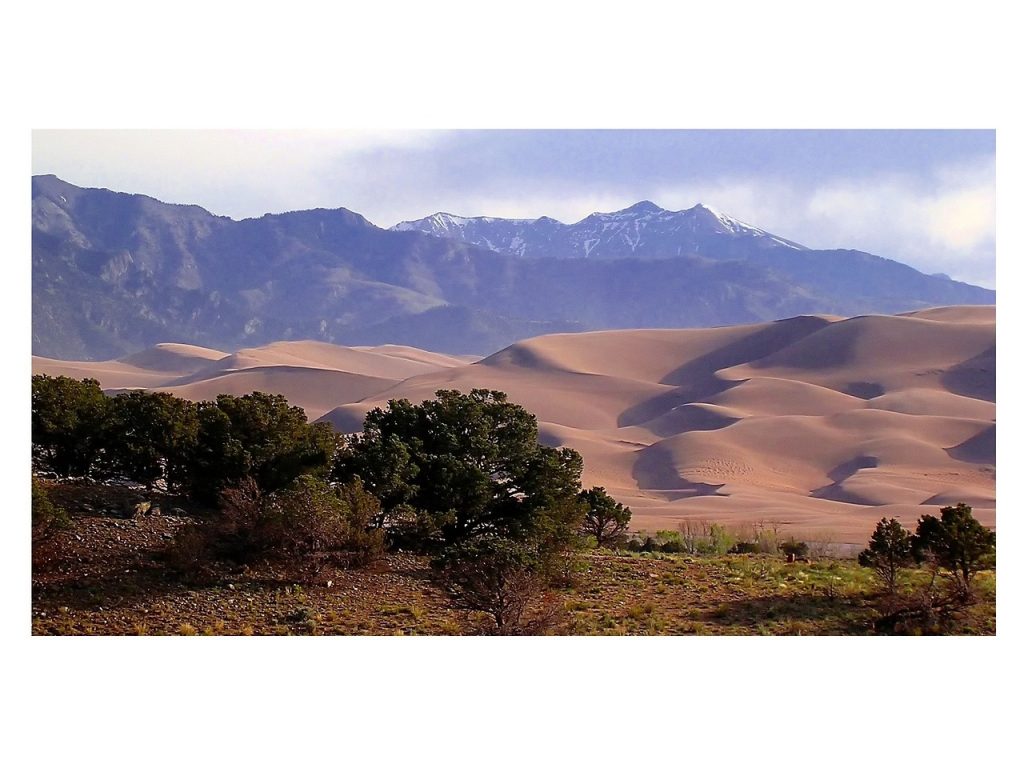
{"x":923,"y":197}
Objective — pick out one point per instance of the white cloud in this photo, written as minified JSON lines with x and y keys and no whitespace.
{"x":937,"y":221}
{"x":235,"y":173}
{"x":944,"y":222}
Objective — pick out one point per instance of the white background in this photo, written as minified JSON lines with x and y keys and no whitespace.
{"x":473,"y":701}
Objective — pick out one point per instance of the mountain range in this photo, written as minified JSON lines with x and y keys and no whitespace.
{"x":114,"y":273}
{"x":643,"y":231}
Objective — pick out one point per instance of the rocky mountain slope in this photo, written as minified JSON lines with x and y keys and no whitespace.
{"x":113,"y":273}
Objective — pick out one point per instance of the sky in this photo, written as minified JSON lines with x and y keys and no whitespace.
{"x":923,"y":197}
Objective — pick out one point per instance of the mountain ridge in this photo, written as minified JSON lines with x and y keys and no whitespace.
{"x":114,"y":273}
{"x":698,"y":230}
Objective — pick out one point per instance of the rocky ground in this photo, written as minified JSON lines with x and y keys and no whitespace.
{"x":107,"y":575}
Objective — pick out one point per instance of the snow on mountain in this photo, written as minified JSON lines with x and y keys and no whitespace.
{"x":643,"y":230}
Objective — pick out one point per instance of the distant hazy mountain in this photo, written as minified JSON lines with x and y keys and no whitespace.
{"x":113,"y":273}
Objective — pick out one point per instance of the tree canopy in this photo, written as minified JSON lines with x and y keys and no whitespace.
{"x":957,"y":542}
{"x":259,"y":436}
{"x":605,"y":518}
{"x":460,"y":466}
{"x":196,"y":448}
{"x":888,"y":550}
{"x":151,"y":435}
{"x":69,"y":424}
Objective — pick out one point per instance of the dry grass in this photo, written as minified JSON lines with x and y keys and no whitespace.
{"x":104,"y":576}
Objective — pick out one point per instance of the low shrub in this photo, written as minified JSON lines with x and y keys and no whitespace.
{"x":190,"y":554}
{"x":668,"y":541}
{"x":495,"y":576}
{"x":745,"y":548}
{"x":47,"y":517}
{"x":793,"y":549}
{"x":701,"y":537}
{"x":304,"y":524}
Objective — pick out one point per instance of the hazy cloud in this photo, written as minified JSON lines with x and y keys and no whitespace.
{"x":923,"y":197}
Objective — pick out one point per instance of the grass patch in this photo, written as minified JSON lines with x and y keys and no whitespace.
{"x":615,"y":593}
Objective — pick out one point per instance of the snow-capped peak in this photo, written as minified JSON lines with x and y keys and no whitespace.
{"x":727,"y":222}
{"x":443,"y":222}
{"x":642,"y":228}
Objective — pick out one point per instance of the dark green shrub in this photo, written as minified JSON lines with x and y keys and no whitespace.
{"x":47,"y":517}
{"x":557,"y":540}
{"x":460,"y":466}
{"x":495,"y":576}
{"x":793,"y":549}
{"x":606,"y":519}
{"x":364,"y":541}
{"x":70,"y":425}
{"x":152,"y":435}
{"x":673,"y":546}
{"x":888,"y":551}
{"x":257,"y":436}
{"x":956,"y":542}
{"x":745,"y":548}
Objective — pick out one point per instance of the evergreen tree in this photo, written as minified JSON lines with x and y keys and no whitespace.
{"x":957,"y":542}
{"x":606,"y":519}
{"x":460,"y":466}
{"x":151,"y":436}
{"x":69,"y":425}
{"x":888,"y":551}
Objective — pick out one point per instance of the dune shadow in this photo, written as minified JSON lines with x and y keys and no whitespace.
{"x":980,"y":449}
{"x":653,"y":471}
{"x":688,"y":417}
{"x":975,"y":377}
{"x":839,"y":474}
{"x":344,"y":420}
{"x":698,"y":380}
{"x":865,"y":390}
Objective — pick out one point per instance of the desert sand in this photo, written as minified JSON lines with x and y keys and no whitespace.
{"x":819,"y":425}
{"x":311,"y":374}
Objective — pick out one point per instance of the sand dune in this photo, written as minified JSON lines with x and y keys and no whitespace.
{"x":821,"y":424}
{"x":314,"y":390}
{"x":313,"y":375}
{"x":174,"y":358}
{"x":149,"y":368}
